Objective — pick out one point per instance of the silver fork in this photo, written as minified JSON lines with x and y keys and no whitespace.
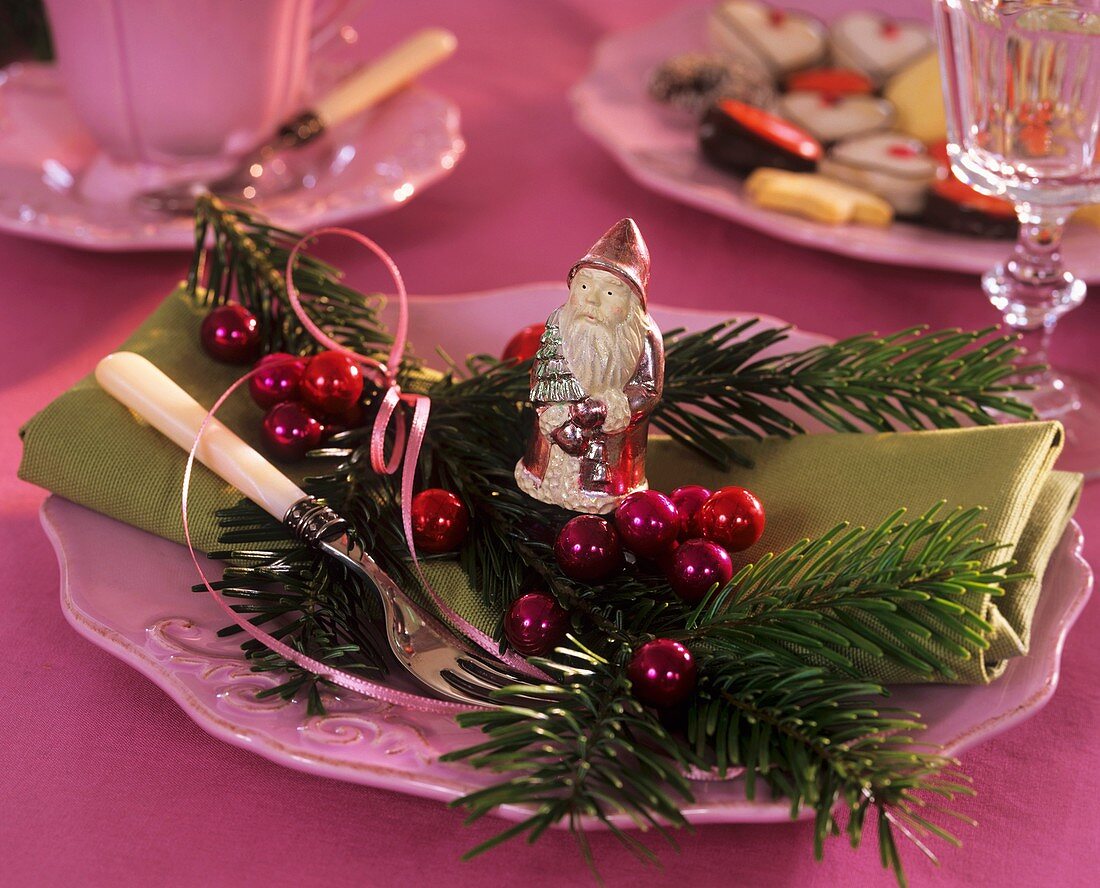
{"x":443,"y":664}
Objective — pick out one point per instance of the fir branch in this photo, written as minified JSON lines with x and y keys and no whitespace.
{"x":239,"y":255}
{"x":719,"y":384}
{"x":899,"y":591}
{"x":821,"y":741}
{"x":588,"y":749}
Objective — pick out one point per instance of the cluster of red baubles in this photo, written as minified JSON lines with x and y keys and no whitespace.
{"x":687,"y":535}
{"x":306,"y":399}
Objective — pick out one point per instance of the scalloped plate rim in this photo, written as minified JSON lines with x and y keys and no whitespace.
{"x":734,"y":810}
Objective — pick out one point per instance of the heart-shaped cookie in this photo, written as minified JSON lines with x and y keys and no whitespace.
{"x":895,"y":167}
{"x":876,"y":44}
{"x":831,"y":117}
{"x":777,"y":40}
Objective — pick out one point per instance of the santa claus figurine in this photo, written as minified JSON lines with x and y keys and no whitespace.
{"x":597,"y":376}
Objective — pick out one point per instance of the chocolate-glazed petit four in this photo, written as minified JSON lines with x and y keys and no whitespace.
{"x":954,"y":206}
{"x":893,"y":166}
{"x":739,"y":137}
{"x":776,"y":40}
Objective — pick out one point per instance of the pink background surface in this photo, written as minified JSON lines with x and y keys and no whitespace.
{"x":107,"y":782}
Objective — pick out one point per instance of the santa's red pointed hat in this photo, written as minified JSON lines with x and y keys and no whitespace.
{"x":623,"y":252}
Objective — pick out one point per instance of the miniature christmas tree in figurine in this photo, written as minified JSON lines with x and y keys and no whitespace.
{"x":597,"y":376}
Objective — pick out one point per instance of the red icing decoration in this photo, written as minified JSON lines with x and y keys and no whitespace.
{"x":890,"y":30}
{"x":774,"y":129}
{"x":834,"y":81}
{"x":777,"y":17}
{"x":902,"y":150}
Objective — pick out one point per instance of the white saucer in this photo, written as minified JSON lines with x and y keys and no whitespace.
{"x":365,"y":166}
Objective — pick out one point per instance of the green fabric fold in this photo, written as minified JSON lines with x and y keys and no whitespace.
{"x":88,"y":448}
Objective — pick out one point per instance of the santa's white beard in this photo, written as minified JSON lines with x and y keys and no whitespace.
{"x":602,"y":357}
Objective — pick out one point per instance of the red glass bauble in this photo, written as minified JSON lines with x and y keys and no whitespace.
{"x":733,"y":518}
{"x":290,"y":430}
{"x":696,"y":567}
{"x":588,"y":549}
{"x":277,"y":379}
{"x":524,"y":344}
{"x":231,"y":333}
{"x":647,"y":523}
{"x":662,"y":673}
{"x":535,"y":623}
{"x":688,"y":500}
{"x":353,"y":418}
{"x":440,"y":521}
{"x":332,"y":383}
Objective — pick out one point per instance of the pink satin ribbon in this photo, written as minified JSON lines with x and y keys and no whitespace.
{"x":385,"y":376}
{"x":336,"y":676}
{"x":407,"y":446}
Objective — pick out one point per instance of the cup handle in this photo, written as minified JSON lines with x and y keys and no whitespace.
{"x":329,"y":17}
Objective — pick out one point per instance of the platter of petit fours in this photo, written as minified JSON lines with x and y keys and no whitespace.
{"x":831,"y":135}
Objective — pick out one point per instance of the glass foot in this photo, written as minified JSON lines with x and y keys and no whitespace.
{"x":1029,"y":303}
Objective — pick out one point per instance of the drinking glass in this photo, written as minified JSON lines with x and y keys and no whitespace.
{"x":1021,"y":81}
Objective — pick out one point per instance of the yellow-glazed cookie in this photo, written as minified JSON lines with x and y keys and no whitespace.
{"x":918,"y":100}
{"x":816,"y":197}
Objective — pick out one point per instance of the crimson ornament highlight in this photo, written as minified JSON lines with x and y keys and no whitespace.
{"x":290,"y":430}
{"x":231,"y":334}
{"x":277,"y":380}
{"x":648,"y":523}
{"x":662,"y":673}
{"x":524,"y":344}
{"x":696,"y":567}
{"x":689,"y":500}
{"x":535,"y":624}
{"x":733,"y":517}
{"x":588,"y":549}
{"x":440,"y":521}
{"x":332,"y":383}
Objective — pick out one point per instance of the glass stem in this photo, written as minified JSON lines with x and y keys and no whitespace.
{"x":1036,"y":270}
{"x":1032,"y":290}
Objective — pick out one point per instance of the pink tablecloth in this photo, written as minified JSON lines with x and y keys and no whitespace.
{"x":106,"y":782}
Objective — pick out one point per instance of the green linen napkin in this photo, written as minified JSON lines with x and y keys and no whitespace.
{"x":88,"y":448}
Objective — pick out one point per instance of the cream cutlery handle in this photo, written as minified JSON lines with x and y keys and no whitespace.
{"x":152,"y":395}
{"x":386,"y":75}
